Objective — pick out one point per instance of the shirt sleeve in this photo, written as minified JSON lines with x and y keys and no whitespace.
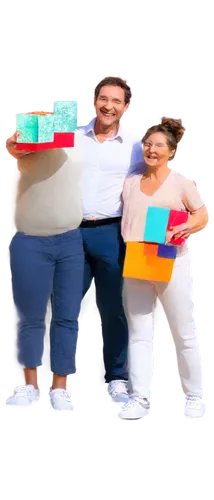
{"x":190,"y":196}
{"x":137,"y":164}
{"x":126,"y":189}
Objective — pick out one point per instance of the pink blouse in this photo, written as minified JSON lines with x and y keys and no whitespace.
{"x":176,"y":193}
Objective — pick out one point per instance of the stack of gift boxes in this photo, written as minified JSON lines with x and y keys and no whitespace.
{"x":41,"y":130}
{"x":152,"y":259}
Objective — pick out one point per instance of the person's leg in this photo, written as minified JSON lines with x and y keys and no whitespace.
{"x":88,"y":294}
{"x":139,"y":302}
{"x":88,"y":286}
{"x":143,"y":313}
{"x":44,"y":372}
{"x":109,"y":253}
{"x":176,"y":299}
{"x":67,"y":300}
{"x":32,"y":270}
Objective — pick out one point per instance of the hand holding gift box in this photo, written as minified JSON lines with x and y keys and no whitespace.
{"x":176,"y":218}
{"x":159,"y":221}
{"x":14,"y":148}
{"x":44,"y":130}
{"x":152,"y":259}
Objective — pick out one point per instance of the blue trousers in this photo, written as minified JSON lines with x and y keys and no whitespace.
{"x":104,"y":257}
{"x":44,"y":267}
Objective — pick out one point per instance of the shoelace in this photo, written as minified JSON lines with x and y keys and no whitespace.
{"x":135,"y":402}
{"x":23,"y":390}
{"x":193,"y":401}
{"x":131,"y":404}
{"x":117,"y":387}
{"x":66,"y":395}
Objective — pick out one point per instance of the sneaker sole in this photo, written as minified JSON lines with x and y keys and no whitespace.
{"x":195,"y":418}
{"x":136,"y":418}
{"x":10,"y":405}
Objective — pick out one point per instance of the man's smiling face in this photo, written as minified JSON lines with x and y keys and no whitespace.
{"x":110,"y":105}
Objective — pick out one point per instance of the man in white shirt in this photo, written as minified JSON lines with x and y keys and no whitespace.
{"x":107,"y":154}
{"x":110,"y":154}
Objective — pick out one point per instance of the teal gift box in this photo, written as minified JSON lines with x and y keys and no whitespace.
{"x":65,"y":116}
{"x":35,"y":127}
{"x":156,"y":224}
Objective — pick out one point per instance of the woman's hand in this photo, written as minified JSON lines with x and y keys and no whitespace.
{"x":196,"y":222}
{"x":180,"y":231}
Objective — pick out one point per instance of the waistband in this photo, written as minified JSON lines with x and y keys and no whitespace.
{"x":66,"y":234}
{"x":100,"y":222}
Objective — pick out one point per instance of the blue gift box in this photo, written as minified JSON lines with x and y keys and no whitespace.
{"x":167,"y":251}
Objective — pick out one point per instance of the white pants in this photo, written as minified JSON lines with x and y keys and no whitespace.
{"x":139,"y":302}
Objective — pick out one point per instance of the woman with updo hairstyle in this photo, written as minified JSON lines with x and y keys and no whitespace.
{"x":162,"y":187}
{"x":175,"y":130}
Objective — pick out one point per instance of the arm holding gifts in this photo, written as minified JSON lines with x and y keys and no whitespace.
{"x":197,"y":221}
{"x":198,"y":216}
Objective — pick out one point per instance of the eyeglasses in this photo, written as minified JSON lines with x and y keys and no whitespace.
{"x":148,"y":144}
{"x":106,"y":100}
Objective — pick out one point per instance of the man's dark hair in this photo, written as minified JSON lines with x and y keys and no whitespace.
{"x":120,"y":81}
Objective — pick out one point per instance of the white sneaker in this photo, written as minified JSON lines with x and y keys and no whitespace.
{"x":135,"y":409}
{"x":24,"y":395}
{"x":194,"y":407}
{"x":118,"y":391}
{"x":60,"y":399}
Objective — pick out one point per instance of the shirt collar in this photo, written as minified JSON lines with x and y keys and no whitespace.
{"x":89,"y":130}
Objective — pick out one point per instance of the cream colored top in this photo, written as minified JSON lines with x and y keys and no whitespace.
{"x":49,"y":194}
{"x":176,"y":193}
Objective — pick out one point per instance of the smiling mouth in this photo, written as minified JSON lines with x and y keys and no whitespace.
{"x":104,"y":113}
{"x":151,"y":157}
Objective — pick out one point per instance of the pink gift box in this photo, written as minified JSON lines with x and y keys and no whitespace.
{"x":175,"y":218}
{"x":61,"y":140}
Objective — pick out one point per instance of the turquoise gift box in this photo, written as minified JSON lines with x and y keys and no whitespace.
{"x":65,"y":116}
{"x":35,"y":127}
{"x":48,"y":128}
{"x":156,"y":224}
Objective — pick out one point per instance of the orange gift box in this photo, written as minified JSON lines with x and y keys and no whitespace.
{"x":144,"y":265}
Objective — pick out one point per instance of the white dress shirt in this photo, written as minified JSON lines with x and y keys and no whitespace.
{"x":104,"y":169}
